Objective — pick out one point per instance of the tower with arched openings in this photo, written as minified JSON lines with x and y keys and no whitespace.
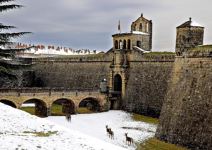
{"x":138,"y":39}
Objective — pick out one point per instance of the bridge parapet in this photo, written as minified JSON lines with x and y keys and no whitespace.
{"x":49,"y":96}
{"x":45,"y":91}
{"x":28,"y":90}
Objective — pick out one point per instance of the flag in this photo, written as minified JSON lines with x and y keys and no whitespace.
{"x":119,"y":27}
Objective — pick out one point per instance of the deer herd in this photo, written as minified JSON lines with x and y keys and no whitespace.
{"x":110,"y":133}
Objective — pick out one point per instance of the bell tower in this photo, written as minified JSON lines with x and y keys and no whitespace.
{"x":138,"y":39}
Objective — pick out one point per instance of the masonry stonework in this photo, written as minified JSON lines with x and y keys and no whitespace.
{"x":186,"y":116}
{"x":189,"y":35}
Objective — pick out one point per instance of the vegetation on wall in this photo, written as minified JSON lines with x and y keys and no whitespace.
{"x":160,"y":55}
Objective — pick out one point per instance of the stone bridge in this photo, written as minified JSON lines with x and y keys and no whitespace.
{"x":43,"y":99}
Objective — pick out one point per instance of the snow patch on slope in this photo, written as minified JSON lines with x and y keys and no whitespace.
{"x":16,"y":128}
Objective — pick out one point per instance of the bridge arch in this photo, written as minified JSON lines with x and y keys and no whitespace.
{"x":38,"y":106}
{"x":8,"y":102}
{"x":91,"y":103}
{"x":63,"y":106}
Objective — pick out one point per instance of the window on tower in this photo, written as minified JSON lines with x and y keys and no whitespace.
{"x":147,"y":27}
{"x":140,"y":27}
{"x":139,"y":44}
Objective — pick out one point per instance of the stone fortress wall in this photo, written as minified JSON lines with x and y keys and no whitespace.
{"x":146,"y":87}
{"x":73,"y":72}
{"x":186,"y":116}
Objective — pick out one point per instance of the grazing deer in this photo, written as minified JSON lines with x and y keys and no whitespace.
{"x":129,"y":140}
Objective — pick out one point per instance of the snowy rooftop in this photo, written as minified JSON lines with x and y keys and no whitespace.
{"x":190,"y":23}
{"x":132,"y":32}
{"x":193,"y":23}
{"x":141,"y":33}
{"x":50,"y":50}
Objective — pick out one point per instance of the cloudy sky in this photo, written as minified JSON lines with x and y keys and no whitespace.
{"x":90,"y":23}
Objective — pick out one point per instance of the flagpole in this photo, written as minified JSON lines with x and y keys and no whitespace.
{"x":119,"y":27}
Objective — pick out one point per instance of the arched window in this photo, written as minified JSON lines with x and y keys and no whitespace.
{"x":134,"y":27}
{"x":125,"y":44}
{"x":139,"y":44}
{"x":128,"y":44}
{"x":116,"y":44}
{"x":120,"y":44}
{"x":140,"y":27}
{"x":147,"y":27}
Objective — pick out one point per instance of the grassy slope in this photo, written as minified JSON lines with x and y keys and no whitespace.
{"x":155,"y":144}
{"x":57,"y":110}
{"x":30,"y":110}
{"x":41,"y":134}
{"x":146,"y":119}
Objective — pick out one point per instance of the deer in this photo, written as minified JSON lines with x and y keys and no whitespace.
{"x":110,"y":133}
{"x":108,"y":130}
{"x":129,"y":140}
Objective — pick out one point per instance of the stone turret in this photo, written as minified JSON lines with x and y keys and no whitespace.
{"x":139,"y":38}
{"x":189,"y":35}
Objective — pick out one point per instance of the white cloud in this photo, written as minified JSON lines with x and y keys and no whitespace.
{"x":70,"y":20}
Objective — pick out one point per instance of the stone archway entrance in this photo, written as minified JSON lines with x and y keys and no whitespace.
{"x":117,"y":84}
{"x":117,"y":92}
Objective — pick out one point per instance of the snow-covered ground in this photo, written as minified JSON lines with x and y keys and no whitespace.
{"x":119,"y":121}
{"x":17,"y":128}
{"x":85,"y":131}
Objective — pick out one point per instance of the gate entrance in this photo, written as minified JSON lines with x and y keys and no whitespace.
{"x":117,"y":83}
